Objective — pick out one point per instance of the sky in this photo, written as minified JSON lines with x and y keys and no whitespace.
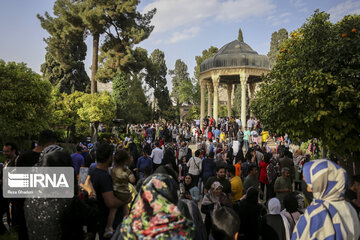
{"x":183,"y":28}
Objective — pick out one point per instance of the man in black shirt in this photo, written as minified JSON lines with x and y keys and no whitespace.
{"x":103,"y":186}
{"x":220,"y":177}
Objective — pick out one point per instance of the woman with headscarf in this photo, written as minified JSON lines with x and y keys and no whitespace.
{"x":249,"y":211}
{"x":329,"y":216}
{"x":274,"y":226}
{"x":213,"y":199}
{"x":191,"y":190}
{"x":154,"y":214}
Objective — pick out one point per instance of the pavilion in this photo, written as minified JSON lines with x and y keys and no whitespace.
{"x":234,"y":63}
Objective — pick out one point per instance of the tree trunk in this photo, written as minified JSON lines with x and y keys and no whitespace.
{"x":94,"y":65}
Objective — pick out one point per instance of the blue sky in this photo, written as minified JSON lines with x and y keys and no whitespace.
{"x":183,"y":28}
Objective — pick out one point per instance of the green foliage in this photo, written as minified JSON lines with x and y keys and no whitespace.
{"x":24,"y":100}
{"x":130,"y":99}
{"x":97,"y":107}
{"x":207,"y":53}
{"x":179,"y":75}
{"x":156,"y":79}
{"x":186,"y":91}
{"x":276,"y":40}
{"x":194,"y":113}
{"x":66,"y":49}
{"x":124,"y":28}
{"x":313,"y":90}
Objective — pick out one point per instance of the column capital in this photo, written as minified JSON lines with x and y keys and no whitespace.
{"x":203,"y":83}
{"x":215,"y":80}
{"x":209,"y":85}
{"x":244,"y":77}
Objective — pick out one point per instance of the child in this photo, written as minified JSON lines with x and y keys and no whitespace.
{"x":183,"y":169}
{"x":120,"y":175}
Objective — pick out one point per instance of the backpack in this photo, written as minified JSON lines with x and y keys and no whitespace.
{"x":272,"y":171}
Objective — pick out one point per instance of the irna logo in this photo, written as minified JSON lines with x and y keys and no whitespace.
{"x":40,"y":182}
{"x":34,"y":180}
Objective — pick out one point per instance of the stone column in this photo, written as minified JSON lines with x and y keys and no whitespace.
{"x":243,"y":80}
{"x":216,"y":81}
{"x":202,"y":105}
{"x":229,"y":91}
{"x":210,"y":89}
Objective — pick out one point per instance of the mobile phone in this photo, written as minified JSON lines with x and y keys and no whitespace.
{"x":84,"y":171}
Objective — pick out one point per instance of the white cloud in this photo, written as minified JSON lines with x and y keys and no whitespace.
{"x":185,"y":34}
{"x":277,"y":20}
{"x":298,"y":3}
{"x":176,"y":13}
{"x":241,"y":9}
{"x":343,"y":9}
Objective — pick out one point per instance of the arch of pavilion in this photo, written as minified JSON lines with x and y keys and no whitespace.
{"x":234,"y":63}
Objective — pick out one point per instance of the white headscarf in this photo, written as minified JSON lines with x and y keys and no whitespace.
{"x":329,"y":216}
{"x":274,"y":207}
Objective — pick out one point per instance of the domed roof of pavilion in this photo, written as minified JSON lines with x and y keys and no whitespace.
{"x":235,"y":54}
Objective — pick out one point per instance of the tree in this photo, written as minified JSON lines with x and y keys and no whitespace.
{"x":99,"y":107}
{"x":276,"y":39}
{"x":123,"y":27}
{"x":66,"y":49}
{"x":24,"y":101}
{"x":156,"y":79}
{"x":65,"y":107}
{"x":179,"y":75}
{"x":130,"y":99}
{"x":313,"y":90}
{"x":67,"y":81}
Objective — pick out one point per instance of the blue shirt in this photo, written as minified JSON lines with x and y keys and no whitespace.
{"x":208,"y":167}
{"x":78,"y":160}
{"x":216,"y":133}
{"x":143,"y":162}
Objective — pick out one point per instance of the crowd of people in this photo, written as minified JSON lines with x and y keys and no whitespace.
{"x":222,"y":181}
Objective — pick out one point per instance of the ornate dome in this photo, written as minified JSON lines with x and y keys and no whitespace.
{"x":235,"y":54}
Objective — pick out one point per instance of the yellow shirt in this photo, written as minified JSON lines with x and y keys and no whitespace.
{"x":222,"y":136}
{"x":236,"y":187}
{"x":265,"y":135}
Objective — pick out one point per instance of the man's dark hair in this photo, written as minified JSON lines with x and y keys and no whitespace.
{"x":157,"y":144}
{"x":225,"y":223}
{"x":219,"y":167}
{"x":121,"y":157}
{"x":197,"y":153}
{"x":251,"y":168}
{"x":47,"y":136}
{"x":79,"y":148}
{"x":103,"y":152}
{"x":231,"y":169}
{"x":211,"y":155}
{"x":12,"y":146}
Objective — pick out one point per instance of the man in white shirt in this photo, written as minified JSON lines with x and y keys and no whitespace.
{"x":157,"y":155}
{"x":195,"y":167}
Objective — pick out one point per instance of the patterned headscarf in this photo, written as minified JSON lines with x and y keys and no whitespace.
{"x":154,"y":214}
{"x":328,"y":216}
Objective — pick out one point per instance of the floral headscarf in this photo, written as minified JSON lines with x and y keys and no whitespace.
{"x":154,"y":214}
{"x":329,"y":216}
